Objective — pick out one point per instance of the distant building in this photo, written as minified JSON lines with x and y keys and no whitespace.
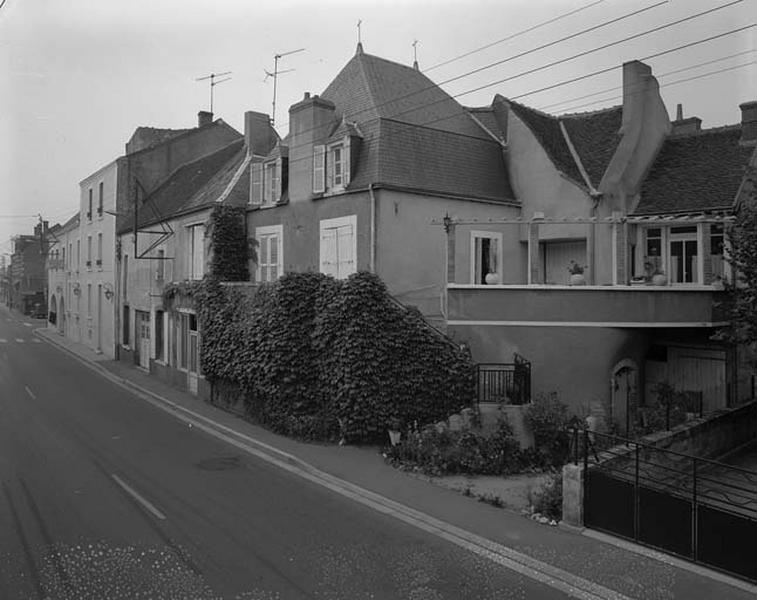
{"x":64,"y":300}
{"x":27,"y":281}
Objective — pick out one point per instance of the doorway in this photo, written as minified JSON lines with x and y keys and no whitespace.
{"x":624,"y":395}
{"x":143,"y":338}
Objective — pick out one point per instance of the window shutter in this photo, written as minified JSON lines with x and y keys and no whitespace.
{"x":346,"y":162}
{"x":329,"y":168}
{"x":319,"y":169}
{"x":256,"y":180}
{"x":263,"y":258}
{"x":345,"y":251}
{"x":276,"y":195}
{"x":329,"y":252}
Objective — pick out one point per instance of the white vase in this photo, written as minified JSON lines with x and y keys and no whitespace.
{"x":577,"y":279}
{"x":659,"y":279}
{"x":394,"y":437}
{"x":491,"y":278}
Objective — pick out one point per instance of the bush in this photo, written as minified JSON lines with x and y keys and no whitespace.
{"x":459,"y":452}
{"x":547,"y":500}
{"x":322,"y":359}
{"x":548,"y":419}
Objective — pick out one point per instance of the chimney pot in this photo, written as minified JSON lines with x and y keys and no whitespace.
{"x":679,"y":112}
{"x":749,"y":123}
{"x":307,"y":96}
{"x":204,"y":118}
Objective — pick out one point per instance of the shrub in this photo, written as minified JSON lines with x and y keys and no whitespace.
{"x":547,"y":499}
{"x":548,"y":419}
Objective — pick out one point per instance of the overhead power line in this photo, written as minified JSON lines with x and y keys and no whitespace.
{"x":512,"y":36}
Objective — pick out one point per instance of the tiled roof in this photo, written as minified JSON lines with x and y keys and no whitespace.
{"x":595,"y":137}
{"x":425,"y":159}
{"x":146,"y":137}
{"x":696,"y":172}
{"x":369,"y":87}
{"x":485,"y":115}
{"x":193,"y":186}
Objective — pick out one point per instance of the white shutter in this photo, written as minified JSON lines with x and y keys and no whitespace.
{"x":274,"y":255}
{"x":319,"y":168}
{"x":346,"y":163}
{"x":345,"y":252}
{"x":198,"y":247}
{"x":256,"y":181}
{"x":329,"y":264}
{"x":276,"y":192}
{"x":263,"y":258}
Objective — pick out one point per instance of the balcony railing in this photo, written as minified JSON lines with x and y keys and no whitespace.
{"x":504,"y":383}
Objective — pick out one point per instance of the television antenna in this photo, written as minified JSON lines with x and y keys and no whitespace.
{"x":214,"y":82}
{"x":275,"y":76}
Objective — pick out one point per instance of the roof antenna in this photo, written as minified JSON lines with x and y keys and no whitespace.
{"x":214,"y":83}
{"x":415,"y":55}
{"x":359,"y":37}
{"x":275,"y":76}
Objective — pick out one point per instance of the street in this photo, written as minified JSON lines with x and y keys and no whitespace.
{"x":104,"y":496}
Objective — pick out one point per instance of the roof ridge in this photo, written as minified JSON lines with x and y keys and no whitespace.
{"x":710,"y":130}
{"x":589,"y":113}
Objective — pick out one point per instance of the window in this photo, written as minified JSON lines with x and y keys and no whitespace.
{"x":196,"y":251}
{"x":338,"y":247}
{"x":336,"y":160}
{"x":69,"y":256}
{"x":159,"y":337}
{"x":271,"y":183}
{"x":100,"y":201}
{"x":486,"y":257}
{"x":160,"y":268}
{"x":270,"y":253}
{"x":78,"y":254}
{"x":717,"y":250}
{"x":99,"y":249}
{"x":683,"y":254}
{"x":319,"y":169}
{"x":89,"y":210}
{"x":89,"y":299}
{"x":64,"y":264}
{"x":89,"y":251}
{"x":183,"y":335}
{"x":126,"y":327}
{"x":126,"y":275}
{"x":653,"y":261}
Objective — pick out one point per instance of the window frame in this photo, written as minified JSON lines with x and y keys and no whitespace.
{"x":485,"y":235}
{"x":332,"y":163}
{"x":267,"y":232}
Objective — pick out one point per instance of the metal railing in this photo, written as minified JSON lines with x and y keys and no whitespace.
{"x":698,"y":508}
{"x":504,"y":383}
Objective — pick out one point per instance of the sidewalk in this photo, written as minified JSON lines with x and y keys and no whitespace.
{"x":630,"y":572}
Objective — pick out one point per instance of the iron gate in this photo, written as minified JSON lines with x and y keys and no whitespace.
{"x":699,"y":509}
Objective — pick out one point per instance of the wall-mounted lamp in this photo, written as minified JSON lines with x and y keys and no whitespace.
{"x":447,"y":222}
{"x":108,"y":292}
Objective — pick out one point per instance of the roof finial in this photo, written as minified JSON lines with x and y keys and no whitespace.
{"x":415,"y":55}
{"x":359,"y":39}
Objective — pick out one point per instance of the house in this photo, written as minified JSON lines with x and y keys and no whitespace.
{"x":619,"y":195}
{"x":105,"y":203}
{"x":170,"y":246}
{"x":361,"y":172}
{"x":63,"y":286}
{"x":27,"y":279}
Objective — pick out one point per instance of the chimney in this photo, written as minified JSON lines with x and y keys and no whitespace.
{"x":259,"y":136}
{"x":682,"y":126}
{"x":310,"y":122}
{"x":204,"y":118}
{"x":749,"y":123}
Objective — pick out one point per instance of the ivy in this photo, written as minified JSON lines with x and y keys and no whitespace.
{"x":320,"y":358}
{"x":231,"y":250}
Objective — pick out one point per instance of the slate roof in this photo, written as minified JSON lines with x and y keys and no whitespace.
{"x":408,"y":156}
{"x":147,"y":137}
{"x":594,"y":136}
{"x":696,"y":172}
{"x":369,"y":87}
{"x":195,"y":185}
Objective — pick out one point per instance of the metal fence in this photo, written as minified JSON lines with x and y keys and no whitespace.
{"x":505,"y":383}
{"x":700,"y":509}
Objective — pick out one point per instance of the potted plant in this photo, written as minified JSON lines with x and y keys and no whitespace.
{"x":395,"y":434}
{"x":659,"y":277}
{"x":576,"y":273}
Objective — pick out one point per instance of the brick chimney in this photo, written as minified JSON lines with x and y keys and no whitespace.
{"x":310,"y":121}
{"x":204,"y":118}
{"x":683,"y":126}
{"x":749,"y":123}
{"x":259,"y":136}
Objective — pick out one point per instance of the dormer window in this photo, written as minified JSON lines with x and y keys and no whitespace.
{"x":271,"y":182}
{"x":331,"y":166}
{"x":336,"y":156}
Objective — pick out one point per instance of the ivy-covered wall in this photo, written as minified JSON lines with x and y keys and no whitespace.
{"x":320,"y":358}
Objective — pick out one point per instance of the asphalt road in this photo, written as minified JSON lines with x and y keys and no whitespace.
{"x":105,"y":497}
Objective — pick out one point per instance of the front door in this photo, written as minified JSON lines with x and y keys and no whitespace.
{"x":143,"y":338}
{"x":624,"y":399}
{"x":194,"y":353}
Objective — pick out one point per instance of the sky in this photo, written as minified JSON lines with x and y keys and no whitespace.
{"x":78,"y":76}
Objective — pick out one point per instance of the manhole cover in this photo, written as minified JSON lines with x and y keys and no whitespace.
{"x":219,"y":463}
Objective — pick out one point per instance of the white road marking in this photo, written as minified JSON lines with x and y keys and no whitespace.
{"x":19,"y":340}
{"x":36,"y":341}
{"x":3,"y":340}
{"x":28,"y":391}
{"x":138,"y":497}
{"x":28,"y":324}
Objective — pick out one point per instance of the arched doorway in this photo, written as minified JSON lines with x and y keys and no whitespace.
{"x":62,"y":317}
{"x":52,"y":316}
{"x":625,"y":385}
